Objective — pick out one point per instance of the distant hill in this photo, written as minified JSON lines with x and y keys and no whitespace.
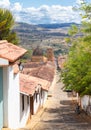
{"x":44,"y":35}
{"x":59,"y":25}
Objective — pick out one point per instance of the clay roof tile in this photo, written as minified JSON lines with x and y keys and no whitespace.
{"x":28,"y":84}
{"x":10,"y":51}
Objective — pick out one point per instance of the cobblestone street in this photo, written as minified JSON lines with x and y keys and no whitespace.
{"x":59,"y":113}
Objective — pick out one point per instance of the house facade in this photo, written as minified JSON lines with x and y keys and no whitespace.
{"x":11,"y":97}
{"x":21,"y":94}
{"x":85,"y":103}
{"x":44,"y":76}
{"x":34,"y":88}
{"x":61,"y":61}
{"x":25,"y":114}
{"x":9,"y":85}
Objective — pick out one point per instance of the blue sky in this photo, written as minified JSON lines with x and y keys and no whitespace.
{"x":37,"y":3}
{"x":43,"y":11}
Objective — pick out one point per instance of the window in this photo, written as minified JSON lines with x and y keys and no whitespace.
{"x":22,"y":102}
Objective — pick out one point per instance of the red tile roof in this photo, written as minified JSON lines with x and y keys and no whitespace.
{"x":10,"y":51}
{"x":33,"y":64}
{"x":28,"y":84}
{"x":45,"y":71}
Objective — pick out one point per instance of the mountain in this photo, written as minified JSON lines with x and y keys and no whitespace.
{"x":55,"y":26}
{"x":43,"y":35}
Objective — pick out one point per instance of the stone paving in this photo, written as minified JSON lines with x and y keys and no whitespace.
{"x":59,"y":113}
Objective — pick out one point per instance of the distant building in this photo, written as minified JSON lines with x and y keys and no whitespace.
{"x":38,"y":55}
{"x":50,"y":54}
{"x":61,"y":61}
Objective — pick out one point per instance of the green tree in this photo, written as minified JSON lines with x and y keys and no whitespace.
{"x":77,"y":70}
{"x":6,"y":26}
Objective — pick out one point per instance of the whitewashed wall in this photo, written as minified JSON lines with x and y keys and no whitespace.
{"x":13,"y":115}
{"x":44,"y":97}
{"x":11,"y":98}
{"x":36,"y":103}
{"x":24,"y":114}
{"x":5,"y":95}
{"x":85,"y":101}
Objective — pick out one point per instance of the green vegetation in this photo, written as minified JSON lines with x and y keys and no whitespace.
{"x":27,"y":56}
{"x":6,"y":24}
{"x":77,"y":71}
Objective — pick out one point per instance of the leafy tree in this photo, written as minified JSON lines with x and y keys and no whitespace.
{"x":77,"y":70}
{"x":6,"y":25}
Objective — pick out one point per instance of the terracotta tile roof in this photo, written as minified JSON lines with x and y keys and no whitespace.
{"x":10,"y":51}
{"x":31,"y":72}
{"x":33,"y":64}
{"x":45,"y":72}
{"x":45,"y":85}
{"x":53,"y":64}
{"x":28,"y":84}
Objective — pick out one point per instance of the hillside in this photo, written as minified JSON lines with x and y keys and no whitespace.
{"x":43,"y":35}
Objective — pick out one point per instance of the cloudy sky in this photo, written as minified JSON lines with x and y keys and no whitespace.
{"x":43,"y":11}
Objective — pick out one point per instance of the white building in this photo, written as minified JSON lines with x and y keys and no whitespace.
{"x":36,"y":89}
{"x":85,"y":103}
{"x":21,"y":95}
{"x":10,"y":85}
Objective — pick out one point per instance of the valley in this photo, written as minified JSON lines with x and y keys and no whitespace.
{"x":44,"y":36}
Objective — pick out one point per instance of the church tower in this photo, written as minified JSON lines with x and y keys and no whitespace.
{"x":50,"y":54}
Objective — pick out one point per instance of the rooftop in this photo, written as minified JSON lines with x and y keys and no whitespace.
{"x":10,"y":51}
{"x":45,"y":71}
{"x":28,"y":84}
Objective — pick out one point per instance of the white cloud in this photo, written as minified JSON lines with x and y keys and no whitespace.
{"x":79,"y":1}
{"x":43,"y":14}
{"x":17,"y":7}
{"x":4,"y":3}
{"x":52,"y":14}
